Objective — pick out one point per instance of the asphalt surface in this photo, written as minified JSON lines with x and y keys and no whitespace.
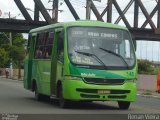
{"x":14,"y":99}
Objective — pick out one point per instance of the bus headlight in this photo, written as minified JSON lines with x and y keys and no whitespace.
{"x":72,"y":78}
{"x":131,"y":81}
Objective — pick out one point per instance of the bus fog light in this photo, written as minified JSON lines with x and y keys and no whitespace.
{"x":72,"y":78}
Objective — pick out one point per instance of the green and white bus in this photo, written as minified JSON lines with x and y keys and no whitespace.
{"x":82,"y":61}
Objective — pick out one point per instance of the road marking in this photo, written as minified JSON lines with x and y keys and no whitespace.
{"x":148,"y":96}
{"x":156,"y":96}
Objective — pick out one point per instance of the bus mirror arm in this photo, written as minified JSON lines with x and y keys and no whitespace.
{"x":134,"y":42}
{"x":62,"y":72}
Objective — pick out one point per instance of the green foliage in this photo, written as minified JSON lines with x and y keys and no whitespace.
{"x":16,"y":51}
{"x":4,"y":57}
{"x":18,"y":54}
{"x":146,"y":67}
{"x":18,"y":40}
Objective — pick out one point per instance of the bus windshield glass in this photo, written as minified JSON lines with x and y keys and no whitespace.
{"x":101,"y":47}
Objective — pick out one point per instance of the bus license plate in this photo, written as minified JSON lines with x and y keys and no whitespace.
{"x":104,"y":91}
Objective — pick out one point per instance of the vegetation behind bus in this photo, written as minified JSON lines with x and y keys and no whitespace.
{"x":16,"y":51}
{"x":147,"y":67}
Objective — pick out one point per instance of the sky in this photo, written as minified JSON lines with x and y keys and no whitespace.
{"x":145,"y":49}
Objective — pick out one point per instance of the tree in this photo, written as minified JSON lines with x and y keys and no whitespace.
{"x":146,"y":67}
{"x":18,"y":55}
{"x":4,"y":57}
{"x":15,"y":52}
{"x":18,"y":40}
{"x":4,"y":39}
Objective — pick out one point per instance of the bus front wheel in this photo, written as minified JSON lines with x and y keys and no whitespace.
{"x":62,"y":102}
{"x":123,"y":105}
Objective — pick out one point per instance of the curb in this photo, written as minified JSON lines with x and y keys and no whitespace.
{"x":10,"y":79}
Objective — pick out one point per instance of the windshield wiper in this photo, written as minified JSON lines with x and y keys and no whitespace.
{"x":113,"y":53}
{"x":94,"y":56}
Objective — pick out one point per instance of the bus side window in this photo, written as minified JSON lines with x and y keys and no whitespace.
{"x":39,"y":46}
{"x":60,"y":48}
{"x":44,"y":45}
{"x":49,"y":44}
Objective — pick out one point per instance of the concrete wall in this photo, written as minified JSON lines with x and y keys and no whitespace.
{"x":15,"y":73}
{"x":147,"y":82}
{"x":2,"y":71}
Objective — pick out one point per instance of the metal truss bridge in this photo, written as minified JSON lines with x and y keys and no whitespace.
{"x":149,"y":30}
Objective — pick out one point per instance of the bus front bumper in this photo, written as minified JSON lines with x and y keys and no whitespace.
{"x":78,"y":90}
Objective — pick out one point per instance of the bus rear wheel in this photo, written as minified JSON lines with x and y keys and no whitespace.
{"x":38,"y":96}
{"x":123,"y":105}
{"x":62,"y":102}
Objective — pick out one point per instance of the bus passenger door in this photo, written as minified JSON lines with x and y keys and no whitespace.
{"x":28,"y":62}
{"x":57,"y":60}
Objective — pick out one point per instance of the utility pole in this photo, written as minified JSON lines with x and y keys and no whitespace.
{"x":109,"y":12}
{"x":11,"y":66}
{"x":10,"y":38}
{"x":88,"y":9}
{"x":54,"y":10}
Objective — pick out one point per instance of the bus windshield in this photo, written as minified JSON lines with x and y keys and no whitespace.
{"x":101,"y":47}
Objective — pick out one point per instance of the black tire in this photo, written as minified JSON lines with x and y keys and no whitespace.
{"x":62,"y":102}
{"x":124,"y":105}
{"x":37,"y":95}
{"x":86,"y":101}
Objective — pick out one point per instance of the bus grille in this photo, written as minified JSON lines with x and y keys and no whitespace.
{"x":103,"y":81}
{"x":96,"y":91}
{"x":117,"y":97}
{"x":89,"y":96}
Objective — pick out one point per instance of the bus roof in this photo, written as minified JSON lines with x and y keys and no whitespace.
{"x":79,"y":23}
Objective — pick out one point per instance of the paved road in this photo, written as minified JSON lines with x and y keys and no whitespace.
{"x":15,"y":99}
